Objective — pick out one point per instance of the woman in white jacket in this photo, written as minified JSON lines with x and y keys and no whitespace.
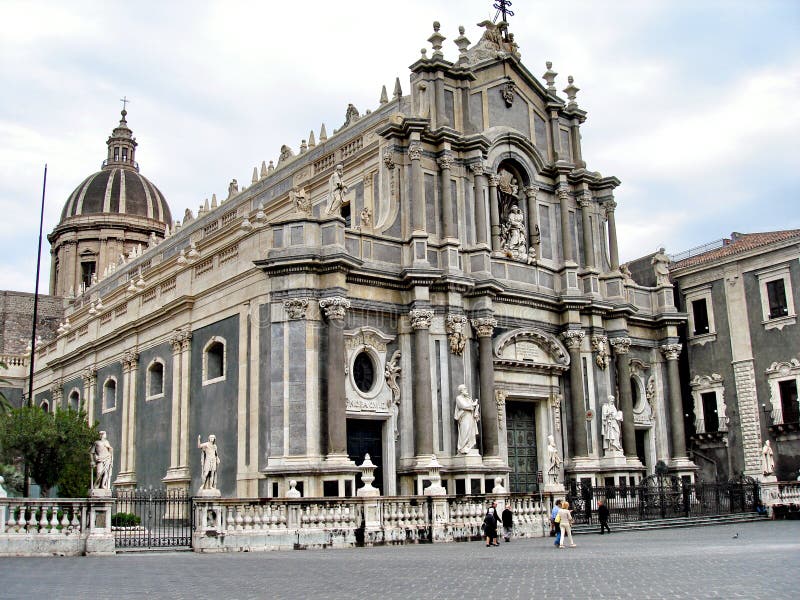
{"x":565,"y":521}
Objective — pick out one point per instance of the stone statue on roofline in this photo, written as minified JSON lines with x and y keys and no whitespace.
{"x":660,"y":262}
{"x":336,"y":191}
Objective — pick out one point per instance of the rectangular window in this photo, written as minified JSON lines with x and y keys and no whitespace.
{"x":700,"y":313}
{"x":776,"y":296}
{"x":710,"y":415}
{"x":544,"y":229}
{"x":789,"y":405}
{"x":116,"y":153}
{"x":87,"y":271}
{"x":124,"y":154}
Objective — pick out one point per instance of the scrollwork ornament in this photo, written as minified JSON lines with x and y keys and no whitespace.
{"x":671,"y":351}
{"x":621,"y":345}
{"x":334,"y":307}
{"x":600,"y":346}
{"x":296,"y":308}
{"x":484,"y":326}
{"x":454,"y":324}
{"x":555,"y":405}
{"x":500,"y":400}
{"x":420,"y":318}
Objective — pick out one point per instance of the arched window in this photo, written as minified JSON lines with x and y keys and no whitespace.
{"x":110,"y":394}
{"x":45,"y":406}
{"x":154,"y":383}
{"x":214,"y":356}
{"x":74,"y":399}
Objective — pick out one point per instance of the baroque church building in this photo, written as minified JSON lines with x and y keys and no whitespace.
{"x":438,"y":278}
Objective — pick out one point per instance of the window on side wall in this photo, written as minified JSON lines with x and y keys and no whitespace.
{"x":777,"y":302}
{"x":155,"y":380}
{"x":110,"y":395}
{"x":701,"y":315}
{"x":214,"y":357}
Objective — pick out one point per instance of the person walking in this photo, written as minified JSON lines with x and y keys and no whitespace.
{"x":553,"y":525}
{"x":508,"y":523}
{"x":490,"y":522}
{"x":602,"y":515}
{"x":564,"y":519}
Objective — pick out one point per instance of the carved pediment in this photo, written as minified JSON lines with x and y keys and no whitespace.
{"x":531,"y":348}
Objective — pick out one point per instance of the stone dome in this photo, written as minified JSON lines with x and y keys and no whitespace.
{"x":118,"y":188}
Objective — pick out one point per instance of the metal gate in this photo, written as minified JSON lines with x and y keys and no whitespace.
{"x":152,"y":519}
{"x":663,"y":497}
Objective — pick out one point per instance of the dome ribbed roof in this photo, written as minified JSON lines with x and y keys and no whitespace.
{"x":118,"y":188}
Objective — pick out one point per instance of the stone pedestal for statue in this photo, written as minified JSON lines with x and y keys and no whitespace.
{"x":555,"y":488}
{"x":100,"y":493}
{"x":208,"y":493}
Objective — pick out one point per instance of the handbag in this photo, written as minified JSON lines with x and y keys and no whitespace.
{"x":558,"y":518}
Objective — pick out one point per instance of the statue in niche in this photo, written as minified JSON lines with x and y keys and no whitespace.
{"x":660,"y":262}
{"x":336,"y":191}
{"x":392,"y":373}
{"x":611,"y":419}
{"x":423,"y":103}
{"x":767,"y":459}
{"x":103,"y":462}
{"x":209,"y":461}
{"x":554,"y":460}
{"x":514,"y":234}
{"x":467,"y":414}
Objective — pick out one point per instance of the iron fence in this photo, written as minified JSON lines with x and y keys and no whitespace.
{"x":150,"y":519}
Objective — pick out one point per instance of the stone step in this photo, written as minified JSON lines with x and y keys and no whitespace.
{"x":671,"y":523}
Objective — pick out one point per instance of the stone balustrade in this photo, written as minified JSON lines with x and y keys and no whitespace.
{"x":59,"y":526}
{"x":231,"y":525}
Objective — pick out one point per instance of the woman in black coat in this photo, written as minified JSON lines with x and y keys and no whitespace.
{"x":490,"y":526}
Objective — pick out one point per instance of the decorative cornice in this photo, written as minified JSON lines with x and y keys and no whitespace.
{"x":420,"y":318}
{"x":671,"y":351}
{"x":484,"y":326}
{"x":334,"y":307}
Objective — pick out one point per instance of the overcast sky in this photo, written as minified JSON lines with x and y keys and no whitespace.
{"x":693,"y":104}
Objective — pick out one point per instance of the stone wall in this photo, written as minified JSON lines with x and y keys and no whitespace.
{"x":16,"y":318}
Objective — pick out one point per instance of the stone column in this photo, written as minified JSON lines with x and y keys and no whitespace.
{"x":417,"y":188}
{"x":484,"y":328}
{"x":621,"y":346}
{"x":494,"y":212}
{"x":480,"y":203}
{"x":588,"y":249}
{"x":335,"y":308}
{"x":573,"y":340}
{"x":175,"y":416}
{"x":450,"y":229}
{"x":671,"y":352}
{"x":613,"y":249}
{"x":438,"y":90}
{"x":534,"y":236}
{"x":566,"y":233}
{"x":89,"y":385}
{"x":423,"y":409}
{"x":556,"y":135}
{"x":186,"y":359}
{"x":131,"y":360}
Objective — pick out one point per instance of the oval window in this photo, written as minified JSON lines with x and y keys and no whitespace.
{"x":364,"y":372}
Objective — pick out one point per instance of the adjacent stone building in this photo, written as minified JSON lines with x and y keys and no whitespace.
{"x":454,"y":235}
{"x":743,"y":354}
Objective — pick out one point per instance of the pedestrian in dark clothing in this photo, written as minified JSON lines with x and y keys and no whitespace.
{"x":508,"y":523}
{"x":602,"y":514}
{"x":554,"y":527}
{"x":490,"y":522}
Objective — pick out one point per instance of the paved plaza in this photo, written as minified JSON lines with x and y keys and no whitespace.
{"x":706,"y":562}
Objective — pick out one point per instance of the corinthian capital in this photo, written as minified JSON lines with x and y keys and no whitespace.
{"x":477,"y":169}
{"x":531,"y":191}
{"x":563,"y":194}
{"x":334,"y":307}
{"x":573,"y":338}
{"x":420,"y":318}
{"x":621,"y":345}
{"x":130,"y":358}
{"x":610,"y":205}
{"x":671,"y":351}
{"x":484,"y":326}
{"x":445,"y":161}
{"x":494,"y":179}
{"x":585,"y":201}
{"x":415,"y":151}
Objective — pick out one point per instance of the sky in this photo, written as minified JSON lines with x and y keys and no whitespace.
{"x":693,"y":104}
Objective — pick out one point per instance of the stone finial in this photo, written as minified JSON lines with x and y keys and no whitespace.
{"x":462,"y":43}
{"x":384,"y":95}
{"x":434,"y":476}
{"x":255,"y":175}
{"x":214,"y":200}
{"x":368,"y":476}
{"x":323,"y":134}
{"x":423,"y":53}
{"x":550,"y":77}
{"x":311,"y":139}
{"x":436,"y":40}
{"x":270,"y":168}
{"x":260,"y":214}
{"x":571,"y":91}
{"x":263,"y":169}
{"x":398,"y":91}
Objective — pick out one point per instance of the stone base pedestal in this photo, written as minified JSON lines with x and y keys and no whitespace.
{"x":554,"y":488}
{"x":683,"y":467}
{"x":100,"y":493}
{"x":208,"y":493}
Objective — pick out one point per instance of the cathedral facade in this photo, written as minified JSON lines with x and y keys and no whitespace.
{"x":438,"y":278}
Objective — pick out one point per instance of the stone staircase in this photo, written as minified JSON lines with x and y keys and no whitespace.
{"x":671,"y":523}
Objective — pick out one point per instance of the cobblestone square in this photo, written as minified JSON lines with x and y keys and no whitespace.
{"x":705,"y":562}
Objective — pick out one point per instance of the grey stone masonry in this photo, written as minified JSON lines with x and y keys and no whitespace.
{"x":745,"y":378}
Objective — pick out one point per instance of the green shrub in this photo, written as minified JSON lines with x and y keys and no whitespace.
{"x":123,"y":519}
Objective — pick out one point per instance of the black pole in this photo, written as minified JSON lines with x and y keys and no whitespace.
{"x":27,"y":480}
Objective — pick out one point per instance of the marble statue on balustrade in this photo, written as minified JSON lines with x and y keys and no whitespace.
{"x":336,"y":191}
{"x":767,"y":460}
{"x":467,"y":414}
{"x":611,"y":419}
{"x":293,"y":492}
{"x":102,"y":455}
{"x":209,"y":462}
{"x":514,"y":235}
{"x":554,"y":461}
{"x":660,"y":262}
